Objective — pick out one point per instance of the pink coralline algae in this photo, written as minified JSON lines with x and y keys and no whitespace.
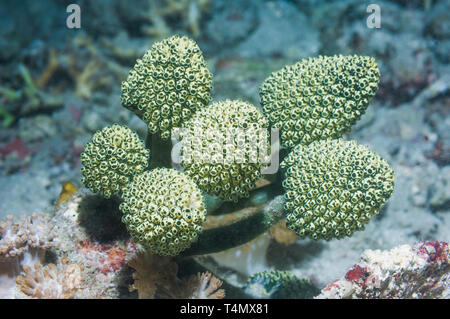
{"x":16,"y":146}
{"x":419,"y":271}
{"x":434,"y":251}
{"x":356,"y":273}
{"x":106,"y":258}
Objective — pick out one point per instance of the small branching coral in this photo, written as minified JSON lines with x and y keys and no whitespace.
{"x":26,"y":99}
{"x":188,"y":12}
{"x":208,"y":287}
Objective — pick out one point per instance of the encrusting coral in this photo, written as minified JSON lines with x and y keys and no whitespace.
{"x":103,"y":262}
{"x":23,"y":243}
{"x":163,"y":210}
{"x":333,"y":187}
{"x":404,"y":272}
{"x":27,"y":99}
{"x":224,"y":148}
{"x":168,"y":85}
{"x":319,"y":98}
{"x":111,"y":159}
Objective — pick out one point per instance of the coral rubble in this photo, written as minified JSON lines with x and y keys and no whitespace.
{"x":411,"y":272}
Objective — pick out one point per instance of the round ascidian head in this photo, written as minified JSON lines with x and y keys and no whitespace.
{"x":111,"y":159}
{"x":224,"y":148}
{"x":280,"y":284}
{"x":333,"y":187}
{"x":319,"y":98}
{"x":163,"y":210}
{"x":168,"y":85}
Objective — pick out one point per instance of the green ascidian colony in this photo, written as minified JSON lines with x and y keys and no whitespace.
{"x":238,"y":149}
{"x":111,"y":159}
{"x":168,"y":85}
{"x":209,"y":144}
{"x":319,"y":98}
{"x":279,"y":284}
{"x":333,"y":187}
{"x":163,"y":210}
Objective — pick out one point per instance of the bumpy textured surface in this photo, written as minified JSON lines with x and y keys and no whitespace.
{"x":111,"y":159}
{"x":50,"y":281}
{"x":319,"y":98}
{"x":280,"y":284}
{"x":27,"y":233}
{"x":421,"y":271}
{"x":163,"y":210}
{"x":224,"y":147}
{"x":333,"y":187}
{"x":168,"y":85}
